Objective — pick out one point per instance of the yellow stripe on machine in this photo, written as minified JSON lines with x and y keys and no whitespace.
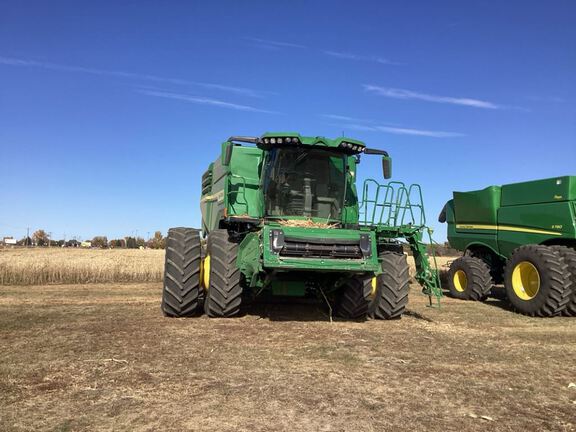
{"x":507,"y":228}
{"x":217,"y":196}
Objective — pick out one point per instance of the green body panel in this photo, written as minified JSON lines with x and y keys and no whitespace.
{"x":233,"y":198}
{"x":535,"y":212}
{"x":274,"y":261}
{"x":478,"y":206}
{"x":554,"y":221}
{"x":249,"y":257}
{"x":234,"y":190}
{"x":350,"y":213}
{"x":540,"y":191}
{"x":464,"y":238}
{"x":242,"y":196}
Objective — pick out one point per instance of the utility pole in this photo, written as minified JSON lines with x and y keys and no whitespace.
{"x":27,"y":235}
{"x":49,"y":238}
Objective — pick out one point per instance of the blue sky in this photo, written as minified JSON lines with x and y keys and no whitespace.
{"x":110,"y":111}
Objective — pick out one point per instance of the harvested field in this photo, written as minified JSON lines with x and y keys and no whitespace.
{"x":36,"y":266}
{"x":102,"y":357}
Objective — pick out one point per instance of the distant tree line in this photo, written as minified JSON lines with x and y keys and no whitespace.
{"x":40,"y":238}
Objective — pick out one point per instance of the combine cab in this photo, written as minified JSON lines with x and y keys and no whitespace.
{"x":522,"y":235}
{"x":281,"y":216}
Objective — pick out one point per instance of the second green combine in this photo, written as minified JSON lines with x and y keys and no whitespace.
{"x":282,"y":216}
{"x":522,"y":235}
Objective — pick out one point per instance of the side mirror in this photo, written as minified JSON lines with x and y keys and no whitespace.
{"x":227,"y":153}
{"x":387,"y":166}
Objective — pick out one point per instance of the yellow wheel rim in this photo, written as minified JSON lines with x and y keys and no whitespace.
{"x":205,"y":272}
{"x":525,"y":280}
{"x":460,"y":280}
{"x":374,"y":283}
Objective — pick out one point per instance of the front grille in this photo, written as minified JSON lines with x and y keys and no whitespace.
{"x":296,"y":247}
{"x":311,"y":250}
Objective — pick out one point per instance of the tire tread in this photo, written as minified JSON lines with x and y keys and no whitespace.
{"x":181,"y":294}
{"x":556,"y":285}
{"x":224,"y":296}
{"x":393,"y":286}
{"x":480,"y":281}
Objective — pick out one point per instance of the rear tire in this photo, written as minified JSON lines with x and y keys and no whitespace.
{"x":182,"y":293}
{"x":392,"y":287}
{"x":355,"y":298}
{"x":224,"y":295}
{"x":569,"y":256}
{"x":469,"y":278}
{"x":537,"y":281}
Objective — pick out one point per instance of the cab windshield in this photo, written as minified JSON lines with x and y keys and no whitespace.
{"x":300,"y":181}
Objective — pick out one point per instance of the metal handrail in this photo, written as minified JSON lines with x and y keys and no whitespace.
{"x":391,"y":204}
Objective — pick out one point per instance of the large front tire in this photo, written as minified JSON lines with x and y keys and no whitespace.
{"x":182,"y":293}
{"x":392,"y":287}
{"x":537,"y":281}
{"x":224,"y":295}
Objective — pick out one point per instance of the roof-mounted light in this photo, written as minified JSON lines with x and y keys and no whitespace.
{"x":282,"y":140}
{"x":352,"y":146}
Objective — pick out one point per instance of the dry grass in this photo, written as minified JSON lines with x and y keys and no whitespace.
{"x":102,"y":357}
{"x":442,"y":263}
{"x":39,"y":266}
{"x":36,"y":266}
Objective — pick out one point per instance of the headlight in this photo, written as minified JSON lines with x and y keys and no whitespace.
{"x":350,"y":146}
{"x":281,"y":140}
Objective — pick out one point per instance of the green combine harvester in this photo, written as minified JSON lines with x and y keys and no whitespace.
{"x":281,"y":216}
{"x":522,"y":235}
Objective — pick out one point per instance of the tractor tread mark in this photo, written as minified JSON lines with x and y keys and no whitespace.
{"x":569,"y":255}
{"x":393,"y":286}
{"x":555,"y":288}
{"x":181,"y":294}
{"x":224,"y":296}
{"x":480,"y":280}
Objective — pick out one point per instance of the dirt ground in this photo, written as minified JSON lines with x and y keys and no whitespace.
{"x":102,"y":357}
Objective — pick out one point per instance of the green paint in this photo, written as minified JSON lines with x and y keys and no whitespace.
{"x":290,"y":288}
{"x":504,"y":218}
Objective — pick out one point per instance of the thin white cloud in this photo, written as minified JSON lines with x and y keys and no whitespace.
{"x":202,"y":100}
{"x":7,"y":61}
{"x":418,"y":132}
{"x":409,"y":94}
{"x":350,"y":56}
{"x":367,"y":125}
{"x":268,"y":43}
{"x":402,"y":131}
{"x":346,"y":118}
